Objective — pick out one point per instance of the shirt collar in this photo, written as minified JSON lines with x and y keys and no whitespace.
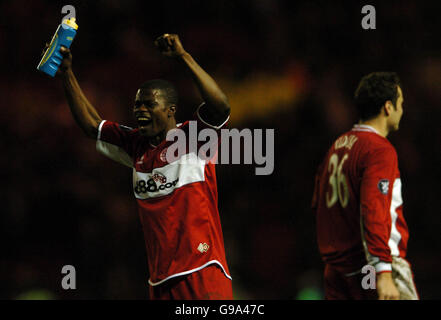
{"x":365,"y":127}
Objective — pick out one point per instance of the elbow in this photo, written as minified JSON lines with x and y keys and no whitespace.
{"x":92,"y":130}
{"x":91,"y":133}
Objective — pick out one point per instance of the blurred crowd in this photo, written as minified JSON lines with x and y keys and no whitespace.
{"x":286,"y":65}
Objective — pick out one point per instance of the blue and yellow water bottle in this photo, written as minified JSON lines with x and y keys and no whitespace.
{"x":64,"y":36}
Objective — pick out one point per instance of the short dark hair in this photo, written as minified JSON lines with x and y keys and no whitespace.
{"x":373,"y":91}
{"x":168,"y":89}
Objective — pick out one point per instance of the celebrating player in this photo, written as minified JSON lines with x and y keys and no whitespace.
{"x":177,"y":201}
{"x":357,"y":200}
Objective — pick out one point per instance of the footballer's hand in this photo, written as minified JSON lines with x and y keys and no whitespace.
{"x":67,"y":58}
{"x":170,"y":45}
{"x":386,"y":288}
{"x":66,"y":64}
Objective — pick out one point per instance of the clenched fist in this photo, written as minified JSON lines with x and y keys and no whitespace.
{"x":66,"y":64}
{"x":170,"y":45}
{"x":67,"y":60}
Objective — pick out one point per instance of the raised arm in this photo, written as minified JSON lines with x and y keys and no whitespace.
{"x":82,"y":110}
{"x":217,"y":108}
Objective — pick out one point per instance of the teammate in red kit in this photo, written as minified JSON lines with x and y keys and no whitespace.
{"x":177,"y":201}
{"x":357,"y":200}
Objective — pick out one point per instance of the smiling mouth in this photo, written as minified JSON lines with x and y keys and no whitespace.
{"x":144,"y":122}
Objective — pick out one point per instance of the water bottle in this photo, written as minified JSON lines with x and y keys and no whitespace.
{"x":52,"y":57}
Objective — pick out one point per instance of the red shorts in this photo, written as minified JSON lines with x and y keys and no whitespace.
{"x":210,"y":283}
{"x":341,"y":287}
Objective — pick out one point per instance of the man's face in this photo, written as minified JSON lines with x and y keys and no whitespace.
{"x":396,"y":113}
{"x":151,"y":111}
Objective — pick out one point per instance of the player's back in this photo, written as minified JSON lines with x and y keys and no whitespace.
{"x":336,"y":199}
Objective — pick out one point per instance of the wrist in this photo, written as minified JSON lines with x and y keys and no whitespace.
{"x":384,"y":275}
{"x":66,"y":72}
{"x":184,"y":56}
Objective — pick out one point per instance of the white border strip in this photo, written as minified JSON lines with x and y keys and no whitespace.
{"x":383,"y":267}
{"x":364,"y":127}
{"x":191,"y":271}
{"x":396,"y":202}
{"x":210,"y":125}
{"x":99,"y":129}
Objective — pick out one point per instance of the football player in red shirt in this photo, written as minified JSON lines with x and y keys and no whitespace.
{"x":357,"y":200}
{"x":177,"y":201}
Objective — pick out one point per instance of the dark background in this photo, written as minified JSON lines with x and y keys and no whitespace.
{"x":287,"y":65}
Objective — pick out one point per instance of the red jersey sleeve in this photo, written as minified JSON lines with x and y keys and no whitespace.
{"x":116,"y":142}
{"x":380,"y":169}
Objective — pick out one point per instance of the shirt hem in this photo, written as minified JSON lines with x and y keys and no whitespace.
{"x":191,"y":271}
{"x":99,"y":129}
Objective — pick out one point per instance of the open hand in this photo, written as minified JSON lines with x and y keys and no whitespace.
{"x":170,"y":45}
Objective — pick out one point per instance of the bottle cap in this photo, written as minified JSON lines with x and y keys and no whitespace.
{"x":71,"y":23}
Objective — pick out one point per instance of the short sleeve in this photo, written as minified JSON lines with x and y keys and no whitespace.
{"x":116,"y":142}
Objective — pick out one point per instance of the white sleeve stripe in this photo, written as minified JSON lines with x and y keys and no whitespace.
{"x":210,"y":125}
{"x":395,"y":235}
{"x":383,"y":266}
{"x":99,"y":129}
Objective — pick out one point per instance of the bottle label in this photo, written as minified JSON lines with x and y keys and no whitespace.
{"x":50,"y":50}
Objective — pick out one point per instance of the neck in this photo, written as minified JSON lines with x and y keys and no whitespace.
{"x":156,"y":140}
{"x":378,"y":124}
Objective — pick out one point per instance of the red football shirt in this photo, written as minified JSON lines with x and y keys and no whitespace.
{"x":177,"y":201}
{"x":358,"y":204}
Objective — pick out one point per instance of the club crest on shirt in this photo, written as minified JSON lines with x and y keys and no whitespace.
{"x":203,"y":247}
{"x":383,"y":186}
{"x":163,"y":155}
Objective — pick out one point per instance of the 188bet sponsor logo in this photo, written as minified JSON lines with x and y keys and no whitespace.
{"x":156,"y":183}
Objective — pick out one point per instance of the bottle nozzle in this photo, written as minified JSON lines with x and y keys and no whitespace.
{"x":71,"y":23}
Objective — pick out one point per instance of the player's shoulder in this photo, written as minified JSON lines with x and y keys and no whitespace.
{"x":370,"y":138}
{"x":114,"y":131}
{"x":127,"y":129}
{"x":374,"y":146}
{"x":345,"y":141}
{"x":124,"y":129}
{"x":183,"y":124}
{"x":366,"y":142}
